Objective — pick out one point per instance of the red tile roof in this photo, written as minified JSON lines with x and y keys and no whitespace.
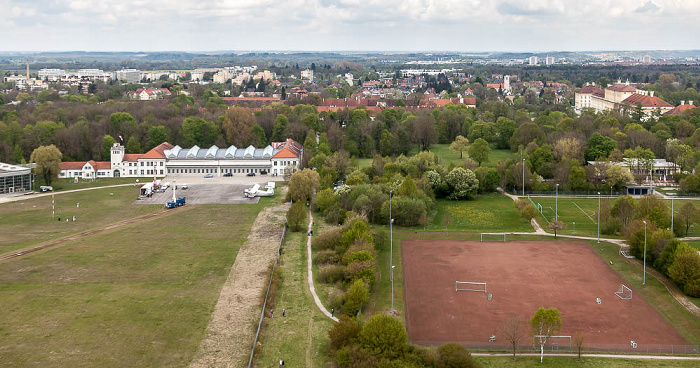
{"x":100,"y":165}
{"x":646,"y":101}
{"x":157,"y":151}
{"x":291,"y":149}
{"x":589,"y":89}
{"x":680,"y":109}
{"x":132,"y":156}
{"x":71,"y":165}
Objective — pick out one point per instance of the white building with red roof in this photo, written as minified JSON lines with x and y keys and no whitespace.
{"x":680,"y":109}
{"x":622,"y":97}
{"x":145,"y":94}
{"x":121,"y":164}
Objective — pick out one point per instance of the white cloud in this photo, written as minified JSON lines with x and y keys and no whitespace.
{"x":347,"y":24}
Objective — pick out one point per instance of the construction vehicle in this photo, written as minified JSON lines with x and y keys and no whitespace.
{"x":177,"y":201}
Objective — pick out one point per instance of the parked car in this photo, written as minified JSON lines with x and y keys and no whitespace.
{"x":228,"y":174}
{"x":45,"y":188}
{"x":209,"y":176}
{"x":250,"y":174}
{"x":184,"y":186}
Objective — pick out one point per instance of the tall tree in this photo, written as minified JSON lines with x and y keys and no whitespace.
{"x":460,"y":145}
{"x":238,"y":126}
{"x":157,"y":134}
{"x":479,"y":151}
{"x":689,"y":215}
{"x":107,"y":143}
{"x":544,"y":324}
{"x":47,"y":160}
{"x":424,"y":131}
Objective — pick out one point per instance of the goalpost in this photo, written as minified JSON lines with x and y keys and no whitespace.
{"x":470,"y":286}
{"x":557,"y":342}
{"x":499,"y":236}
{"x":624,"y":292}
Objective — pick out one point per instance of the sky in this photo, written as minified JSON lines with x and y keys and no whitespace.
{"x":349,"y":25}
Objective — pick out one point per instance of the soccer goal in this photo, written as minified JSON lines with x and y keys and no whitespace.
{"x":470,"y":286}
{"x":493,"y":237}
{"x":556,"y":342}
{"x":624,"y":292}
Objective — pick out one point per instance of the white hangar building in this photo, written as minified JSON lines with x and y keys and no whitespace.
{"x":272,"y":159}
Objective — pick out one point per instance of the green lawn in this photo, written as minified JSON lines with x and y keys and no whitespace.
{"x":69,"y":184}
{"x":487,"y":213}
{"x":694,"y":243}
{"x":448,"y":156}
{"x":301,"y":336}
{"x":29,"y":222}
{"x":566,"y":362}
{"x":584,"y":211}
{"x":137,"y":296}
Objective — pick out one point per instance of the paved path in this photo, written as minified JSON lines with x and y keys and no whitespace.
{"x":309,"y":271}
{"x":21,"y":197}
{"x":613,"y":356}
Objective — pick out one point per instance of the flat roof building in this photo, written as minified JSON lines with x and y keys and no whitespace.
{"x":14,"y":178}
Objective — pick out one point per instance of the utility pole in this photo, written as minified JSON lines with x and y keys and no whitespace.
{"x":391,"y":251}
{"x":644,"y":277}
{"x":598,"y":217}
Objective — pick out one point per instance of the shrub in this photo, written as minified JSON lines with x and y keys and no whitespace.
{"x":361,"y":270}
{"x":355,"y":356}
{"x":326,"y":240}
{"x":692,"y":288}
{"x":454,"y":355}
{"x":355,"y":298}
{"x":327,"y":256}
{"x":358,"y":229}
{"x":384,"y":335}
{"x":335,"y":215}
{"x":344,"y":332}
{"x":360,"y":245}
{"x":329,"y":274}
{"x":527,"y":210}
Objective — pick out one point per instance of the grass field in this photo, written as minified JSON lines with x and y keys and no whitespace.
{"x":566,"y":362}
{"x":694,"y":243}
{"x":137,"y":296}
{"x":29,"y":222}
{"x":487,"y":213}
{"x":584,"y":211}
{"x":69,"y":184}
{"x":448,"y":156}
{"x":301,"y":336}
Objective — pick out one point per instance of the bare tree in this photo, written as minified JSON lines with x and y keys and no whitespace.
{"x":556,"y":225}
{"x":513,"y":328}
{"x":579,"y":339}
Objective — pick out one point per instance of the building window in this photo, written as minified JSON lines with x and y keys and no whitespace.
{"x":161,"y":163}
{"x":141,"y":172}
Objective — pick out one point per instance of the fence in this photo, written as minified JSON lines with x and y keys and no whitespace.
{"x":528,"y":346}
{"x":269,"y":284}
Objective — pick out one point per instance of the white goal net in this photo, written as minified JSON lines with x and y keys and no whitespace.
{"x":624,"y":292}
{"x":555,"y":343}
{"x":470,"y":286}
{"x":501,"y":237}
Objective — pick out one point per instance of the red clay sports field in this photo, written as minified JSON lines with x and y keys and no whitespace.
{"x":521,"y":276}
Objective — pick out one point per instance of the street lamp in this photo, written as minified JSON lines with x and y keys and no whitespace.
{"x":574,"y":227}
{"x":391,"y":250}
{"x":556,"y":206}
{"x":671,"y":213}
{"x":523,"y":177}
{"x":644,"y":277}
{"x":598,"y":217}
{"x":392,"y":290}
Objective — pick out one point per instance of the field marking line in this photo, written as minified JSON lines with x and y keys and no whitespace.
{"x":584,"y":212}
{"x":310,"y":274}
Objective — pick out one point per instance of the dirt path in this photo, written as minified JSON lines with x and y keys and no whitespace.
{"x":309,"y":342}
{"x":71,"y":238}
{"x":229,"y":335}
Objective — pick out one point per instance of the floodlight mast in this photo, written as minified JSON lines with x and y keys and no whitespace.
{"x":644,"y":277}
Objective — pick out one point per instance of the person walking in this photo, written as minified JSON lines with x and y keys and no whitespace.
{"x":270,"y":313}
{"x":283,"y":312}
{"x":332,"y":312}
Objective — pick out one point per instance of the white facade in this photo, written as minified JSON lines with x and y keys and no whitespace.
{"x":533,"y":60}
{"x":52,"y":75}
{"x":129,"y":75}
